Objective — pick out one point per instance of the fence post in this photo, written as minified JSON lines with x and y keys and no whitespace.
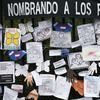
{"x":1,"y":11}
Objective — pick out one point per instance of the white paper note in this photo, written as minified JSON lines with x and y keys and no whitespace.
{"x":55,"y":52}
{"x":43,"y":24}
{"x":37,"y":78}
{"x":60,"y":39}
{"x":62,"y":88}
{"x":75,"y":44}
{"x":59,"y":63}
{"x":75,"y":61}
{"x":60,"y":71}
{"x":26,"y":37}
{"x":7,"y":72}
{"x":41,"y":34}
{"x":91,"y":53}
{"x":84,"y":73}
{"x":86,"y":34}
{"x":17,"y":87}
{"x":34,"y":52}
{"x":48,"y":85}
{"x":91,"y":86}
{"x":9,"y":94}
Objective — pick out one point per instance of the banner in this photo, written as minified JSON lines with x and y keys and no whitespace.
{"x":64,"y":8}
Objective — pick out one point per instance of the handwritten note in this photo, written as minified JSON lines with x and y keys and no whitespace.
{"x":91,"y":53}
{"x":60,"y":39}
{"x":91,"y":86}
{"x":86,"y":34}
{"x":48,"y":85}
{"x":34,"y":52}
{"x":62,"y":88}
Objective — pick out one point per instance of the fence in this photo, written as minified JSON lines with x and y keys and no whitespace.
{"x":14,"y":23}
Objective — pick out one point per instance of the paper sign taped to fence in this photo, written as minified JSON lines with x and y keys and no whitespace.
{"x":59,"y":63}
{"x":7,"y":72}
{"x":56,"y":52}
{"x":91,"y":86}
{"x":34,"y":52}
{"x":48,"y":85}
{"x":41,"y":34}
{"x":60,"y":39}
{"x":62,"y":88}
{"x":86,"y":34}
{"x":26,"y":37}
{"x":46,"y":23}
{"x":75,"y":61}
{"x":97,"y":26}
{"x":75,"y":44}
{"x":60,"y":71}
{"x":37,"y":78}
{"x":12,"y":39}
{"x":17,"y":87}
{"x":91,"y":53}
{"x":9,"y":94}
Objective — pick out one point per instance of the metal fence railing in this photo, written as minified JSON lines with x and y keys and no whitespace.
{"x":14,"y":23}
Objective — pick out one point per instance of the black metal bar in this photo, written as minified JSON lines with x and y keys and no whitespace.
{"x":33,"y":24}
{"x":84,"y":20}
{"x":53,"y":21}
{"x":73,"y":30}
{"x":42,"y":18}
{"x":63,"y":19}
{"x":23,"y":47}
{"x":11,"y":23}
